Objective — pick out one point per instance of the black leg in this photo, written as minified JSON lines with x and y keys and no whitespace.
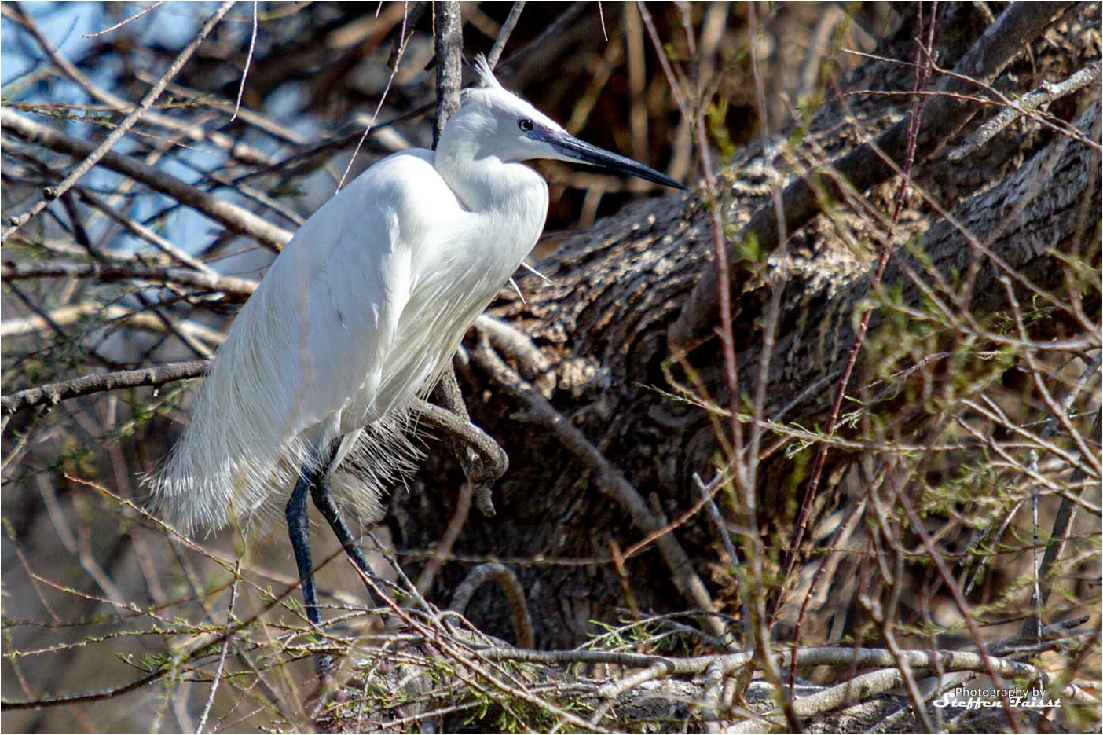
{"x":315,"y":478}
{"x":323,"y":501}
{"x":298,"y":527}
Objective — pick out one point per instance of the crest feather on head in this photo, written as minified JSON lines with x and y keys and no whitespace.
{"x":486,"y":74}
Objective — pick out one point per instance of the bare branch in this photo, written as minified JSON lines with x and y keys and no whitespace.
{"x":54,"y":393}
{"x":1040,"y":98}
{"x":448,"y":37}
{"x":504,"y":34}
{"x":128,"y":272}
{"x":145,"y":233}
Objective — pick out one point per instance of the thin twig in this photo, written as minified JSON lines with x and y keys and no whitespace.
{"x":145,"y":233}
{"x":248,"y":61}
{"x":225,"y":644}
{"x":122,"y":23}
{"x":962,"y":605}
{"x":504,"y":33}
{"x":442,"y":550}
{"x":121,"y":129}
{"x":555,"y":30}
{"x":400,"y":50}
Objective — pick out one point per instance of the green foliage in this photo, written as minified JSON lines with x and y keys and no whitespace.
{"x":716,"y":114}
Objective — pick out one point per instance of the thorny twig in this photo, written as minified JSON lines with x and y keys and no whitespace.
{"x":225,"y":646}
{"x":921,"y":80}
{"x":122,"y":23}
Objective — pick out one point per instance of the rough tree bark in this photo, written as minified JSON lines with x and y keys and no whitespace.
{"x":616,"y":290}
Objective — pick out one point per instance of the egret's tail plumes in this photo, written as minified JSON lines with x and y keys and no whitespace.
{"x":196,"y":493}
{"x":382,"y":455}
{"x":249,"y":437}
{"x":237,"y":448}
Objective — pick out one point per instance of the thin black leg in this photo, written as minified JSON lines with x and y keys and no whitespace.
{"x":323,"y":501}
{"x":315,"y":478}
{"x":298,"y":528}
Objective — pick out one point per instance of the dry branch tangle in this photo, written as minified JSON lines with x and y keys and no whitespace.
{"x":1039,"y":210}
{"x":232,"y":217}
{"x":671,"y":694}
{"x":866,"y":166}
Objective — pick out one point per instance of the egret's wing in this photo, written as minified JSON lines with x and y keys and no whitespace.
{"x":354,"y":295}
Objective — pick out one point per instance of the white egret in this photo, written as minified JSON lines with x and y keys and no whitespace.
{"x":358,"y":316}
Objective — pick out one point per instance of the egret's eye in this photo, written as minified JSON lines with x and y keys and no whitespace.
{"x":525,"y":124}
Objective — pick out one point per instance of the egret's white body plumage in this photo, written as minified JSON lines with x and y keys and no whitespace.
{"x":362,"y":311}
{"x":358,"y":314}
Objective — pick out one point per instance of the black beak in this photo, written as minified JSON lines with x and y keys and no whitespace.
{"x":578,"y":150}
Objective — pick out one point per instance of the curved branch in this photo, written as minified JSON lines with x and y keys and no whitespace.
{"x":515,"y":597}
{"x":482,"y":459}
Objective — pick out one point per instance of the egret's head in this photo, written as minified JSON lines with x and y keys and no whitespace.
{"x":493,"y":121}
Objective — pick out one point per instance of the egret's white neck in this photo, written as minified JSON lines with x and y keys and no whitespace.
{"x":482,"y":181}
{"x":489,"y":185}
